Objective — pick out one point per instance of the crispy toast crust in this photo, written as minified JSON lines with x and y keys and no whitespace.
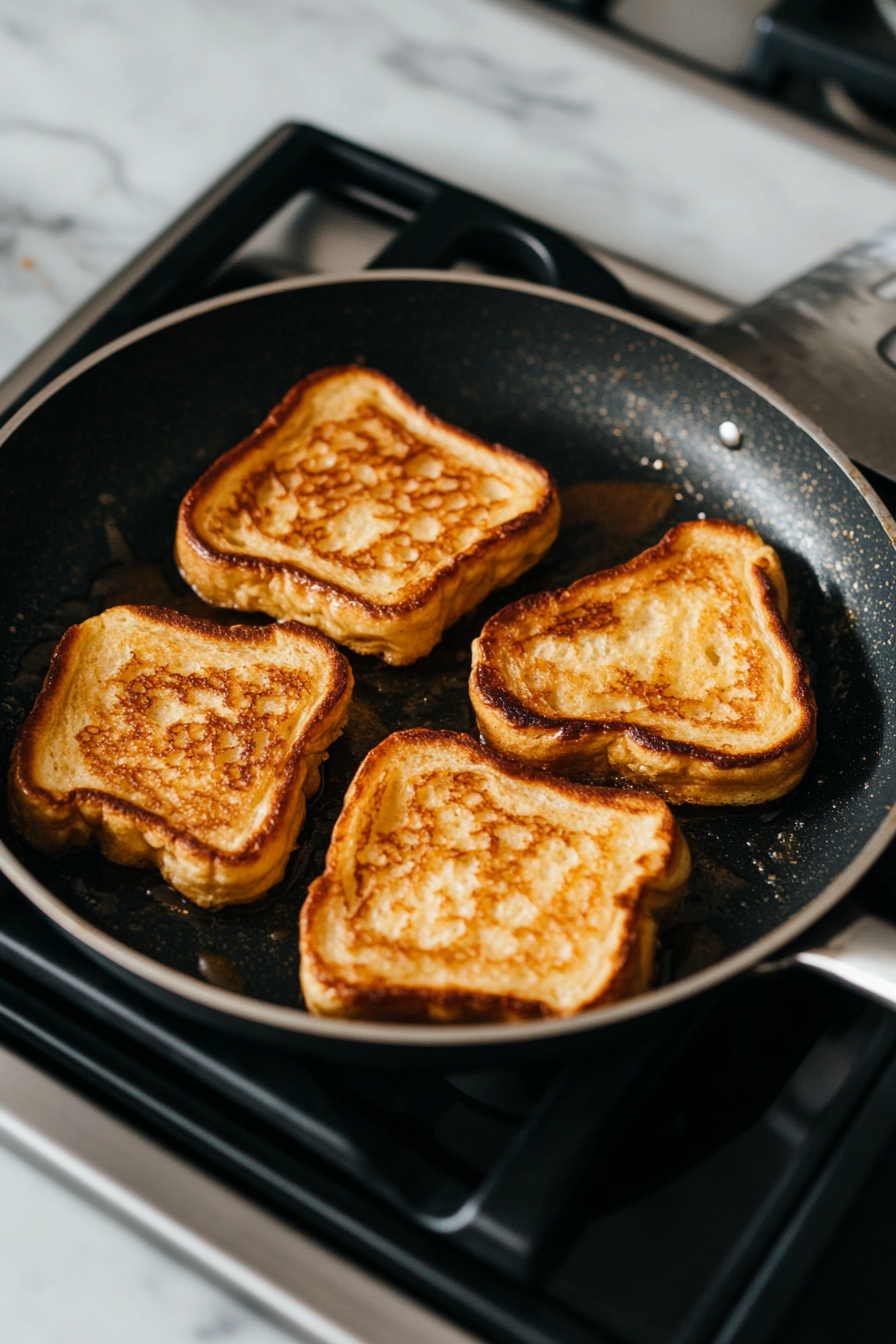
{"x":193,"y":855}
{"x":654,"y":880}
{"x":654,"y":749}
{"x":400,"y":628}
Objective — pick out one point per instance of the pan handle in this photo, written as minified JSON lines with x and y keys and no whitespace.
{"x":862,"y":955}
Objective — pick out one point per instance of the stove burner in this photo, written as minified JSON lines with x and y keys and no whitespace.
{"x":834,"y":60}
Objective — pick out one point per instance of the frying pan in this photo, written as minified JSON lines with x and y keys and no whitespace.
{"x":94,"y":467}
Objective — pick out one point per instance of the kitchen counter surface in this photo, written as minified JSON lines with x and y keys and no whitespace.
{"x":116,"y":113}
{"x":70,"y":1274}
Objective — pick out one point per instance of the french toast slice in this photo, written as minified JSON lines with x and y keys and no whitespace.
{"x":354,"y":510}
{"x":675,"y":671}
{"x":180,"y":743}
{"x":460,"y":886}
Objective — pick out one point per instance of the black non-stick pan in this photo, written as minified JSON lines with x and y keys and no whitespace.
{"x":94,"y":468}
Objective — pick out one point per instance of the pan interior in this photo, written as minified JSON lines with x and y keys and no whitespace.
{"x":94,"y":477}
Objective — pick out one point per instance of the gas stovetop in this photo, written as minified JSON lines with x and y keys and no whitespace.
{"x":680,"y":1193}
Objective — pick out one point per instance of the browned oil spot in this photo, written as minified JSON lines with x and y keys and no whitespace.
{"x":711,"y":882}
{"x":35,"y":662}
{"x":364,"y":728}
{"x":693,"y":947}
{"x":221,"y":971}
{"x":175,"y":904}
{"x":623,"y":510}
{"x":603,"y":523}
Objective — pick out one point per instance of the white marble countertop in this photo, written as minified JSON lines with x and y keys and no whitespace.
{"x":115,"y":113}
{"x":71,"y":1274}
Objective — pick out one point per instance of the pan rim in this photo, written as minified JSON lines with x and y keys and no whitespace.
{"x":298,"y":1022}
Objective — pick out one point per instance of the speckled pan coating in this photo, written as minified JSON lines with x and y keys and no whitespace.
{"x":591,"y":394}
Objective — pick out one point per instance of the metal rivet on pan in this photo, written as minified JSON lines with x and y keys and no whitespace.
{"x":730,"y":434}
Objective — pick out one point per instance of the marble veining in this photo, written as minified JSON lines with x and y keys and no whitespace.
{"x":68,"y":217}
{"x":70,"y":1272}
{"x":531,"y":99}
{"x":114,"y":114}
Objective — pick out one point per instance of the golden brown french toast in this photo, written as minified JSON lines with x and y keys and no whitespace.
{"x":354,"y":510}
{"x":675,"y":670}
{"x":180,"y":743}
{"x":460,"y":886}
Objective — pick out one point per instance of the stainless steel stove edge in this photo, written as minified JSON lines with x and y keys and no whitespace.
{"x":305,"y":1288}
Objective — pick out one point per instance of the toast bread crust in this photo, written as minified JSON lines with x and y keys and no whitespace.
{"x":656,"y":743}
{"x":395,"y":983}
{"x":233,"y":547}
{"x":151,"y":779}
